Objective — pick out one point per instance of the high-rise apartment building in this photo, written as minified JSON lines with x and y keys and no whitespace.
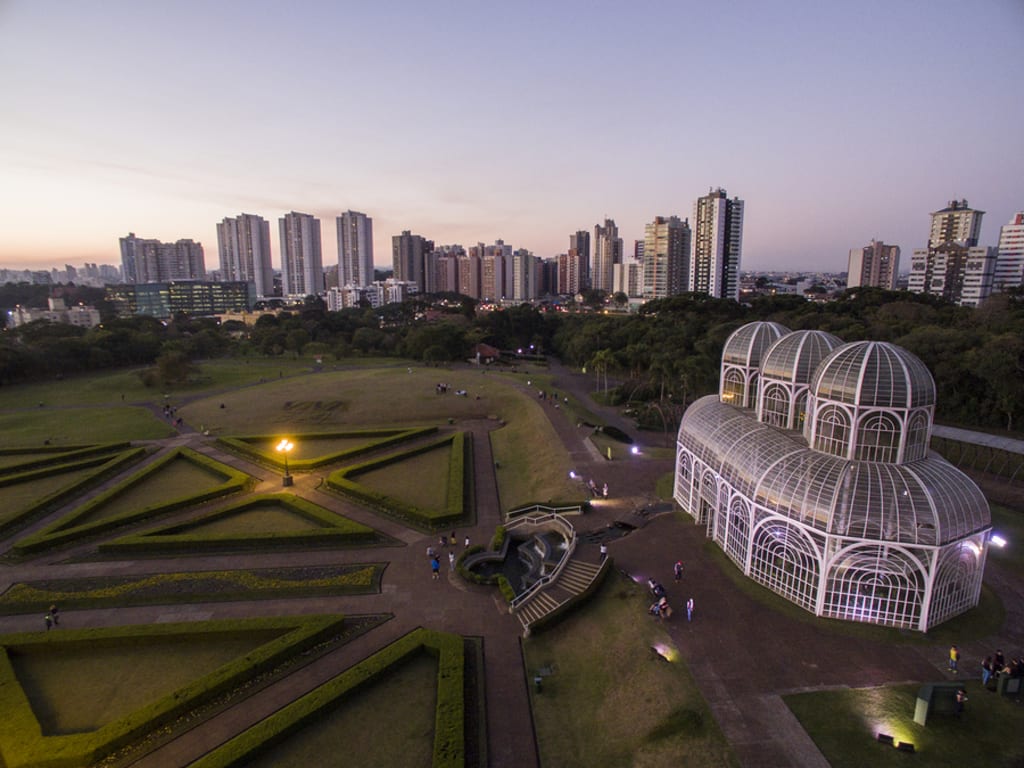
{"x":355,"y":249}
{"x":876,"y":265}
{"x":151,"y":261}
{"x":1009,"y":272}
{"x":524,"y":275}
{"x":953,"y":266}
{"x":409,"y":258}
{"x":717,"y":245}
{"x":666,"y":257}
{"x":243,"y":244}
{"x":574,"y":268}
{"x":607,"y":253}
{"x":302,"y":270}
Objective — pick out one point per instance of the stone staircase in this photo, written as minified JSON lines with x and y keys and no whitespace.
{"x":575,"y":578}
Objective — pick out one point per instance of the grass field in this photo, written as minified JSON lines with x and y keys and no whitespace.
{"x":171,"y":481}
{"x":263,"y":519}
{"x":609,"y":699}
{"x":15,"y":498}
{"x":844,"y":724}
{"x":420,"y":480}
{"x":388,"y":723}
{"x":67,"y":425}
{"x":83,"y":687}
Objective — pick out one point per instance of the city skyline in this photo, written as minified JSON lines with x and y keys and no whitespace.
{"x":466,"y":123}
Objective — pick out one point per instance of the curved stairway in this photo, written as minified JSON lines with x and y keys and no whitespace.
{"x":575,"y":578}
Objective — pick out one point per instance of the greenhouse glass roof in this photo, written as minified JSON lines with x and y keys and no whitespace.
{"x":795,"y":356}
{"x":874,"y":374}
{"x":748,"y":343}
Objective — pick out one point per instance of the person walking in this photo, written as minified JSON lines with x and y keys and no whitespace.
{"x":451,"y":561}
{"x":986,"y":671}
{"x":954,"y":659}
{"x":961,"y":699}
{"x":467,"y":542}
{"x":689,"y":609}
{"x":604,"y":551}
{"x":677,"y":570}
{"x":53,"y":615}
{"x":48,"y":620}
{"x":435,"y":568}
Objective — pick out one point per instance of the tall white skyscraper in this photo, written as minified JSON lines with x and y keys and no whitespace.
{"x":607,"y":253}
{"x":302,"y":270}
{"x":953,"y":266}
{"x":355,"y":249}
{"x":1010,"y":256}
{"x":717,"y":245}
{"x":244,"y":247}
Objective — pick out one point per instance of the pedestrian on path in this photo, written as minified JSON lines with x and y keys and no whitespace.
{"x":49,"y":621}
{"x":954,"y":659}
{"x":604,"y":551}
{"x":677,"y":570}
{"x":435,"y":567}
{"x":53,"y":615}
{"x":430,"y":551}
{"x":451,"y":561}
{"x":689,"y":609}
{"x":444,"y":541}
{"x":467,"y":542}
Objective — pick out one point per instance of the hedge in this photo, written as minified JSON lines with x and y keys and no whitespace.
{"x":107,"y":466}
{"x":52,"y":456}
{"x":244,"y":445}
{"x":449,"y":721}
{"x":335,"y":530}
{"x":23,"y":745}
{"x":64,"y":529}
{"x":458,"y":502}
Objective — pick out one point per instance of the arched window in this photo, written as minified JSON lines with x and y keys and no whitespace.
{"x":917,"y":437}
{"x":734,"y":388}
{"x":878,"y":438}
{"x":832,"y":431}
{"x":737,"y":538}
{"x":775,"y":406}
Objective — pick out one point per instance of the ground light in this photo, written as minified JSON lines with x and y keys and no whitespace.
{"x":635,"y":450}
{"x":902,"y":746}
{"x":284,"y":448}
{"x":997,"y":540}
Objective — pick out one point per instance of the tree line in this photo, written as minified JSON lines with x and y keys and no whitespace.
{"x":656,"y":361}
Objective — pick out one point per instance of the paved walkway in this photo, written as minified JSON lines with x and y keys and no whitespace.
{"x":979,"y":438}
{"x":742,"y":674}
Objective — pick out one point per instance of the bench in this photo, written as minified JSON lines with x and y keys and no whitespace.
{"x":1008,"y":686}
{"x":938,"y":698}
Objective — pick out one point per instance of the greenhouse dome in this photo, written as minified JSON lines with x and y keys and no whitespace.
{"x":865,"y":525}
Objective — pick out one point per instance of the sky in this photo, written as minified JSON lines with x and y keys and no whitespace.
{"x":467,"y":121}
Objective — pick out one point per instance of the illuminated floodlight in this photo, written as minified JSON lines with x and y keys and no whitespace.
{"x":885,"y":738}
{"x":666,"y":652}
{"x":635,"y":450}
{"x":998,"y":540}
{"x":572,"y":474}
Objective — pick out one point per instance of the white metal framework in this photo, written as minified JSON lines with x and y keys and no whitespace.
{"x":811,"y":471}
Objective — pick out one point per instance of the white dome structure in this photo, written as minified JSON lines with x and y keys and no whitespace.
{"x":847,"y":514}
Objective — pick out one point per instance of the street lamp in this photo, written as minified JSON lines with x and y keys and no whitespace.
{"x":284,"y":448}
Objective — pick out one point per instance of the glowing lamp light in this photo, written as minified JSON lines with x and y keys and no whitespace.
{"x":284,"y":448}
{"x":998,"y":540}
{"x":666,"y":652}
{"x":572,"y":474}
{"x":635,"y":450}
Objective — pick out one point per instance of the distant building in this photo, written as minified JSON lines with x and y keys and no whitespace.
{"x":717,"y":245}
{"x":666,"y":257}
{"x":525,"y":267}
{"x":243,"y":244}
{"x":194,"y":297}
{"x":1009,"y":270}
{"x":151,"y":261}
{"x":953,"y":266}
{"x":875,"y":265}
{"x":607,"y":253}
{"x":628,"y":278}
{"x":302,"y":271}
{"x":56,"y":312}
{"x":409,"y":254}
{"x":355,"y":249}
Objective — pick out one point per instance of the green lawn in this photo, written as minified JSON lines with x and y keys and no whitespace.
{"x":14,"y":499}
{"x":80,"y":426}
{"x":262,"y":519}
{"x":81,"y":687}
{"x":844,"y":724}
{"x":388,"y":723}
{"x":420,"y":480}
{"x":610,"y":699}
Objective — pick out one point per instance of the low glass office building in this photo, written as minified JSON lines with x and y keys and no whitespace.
{"x":811,"y":470}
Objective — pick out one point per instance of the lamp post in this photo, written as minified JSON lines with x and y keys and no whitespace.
{"x":284,"y":448}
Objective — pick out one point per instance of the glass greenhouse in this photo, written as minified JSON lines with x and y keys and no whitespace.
{"x":811,"y":471}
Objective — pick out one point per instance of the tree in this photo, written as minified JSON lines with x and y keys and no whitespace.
{"x":174,"y":367}
{"x":600,"y":362}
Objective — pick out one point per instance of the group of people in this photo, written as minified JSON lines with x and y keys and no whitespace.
{"x":596,"y":492}
{"x":660,"y":608}
{"x":52,"y":617}
{"x":435,"y":559}
{"x":997,"y":664}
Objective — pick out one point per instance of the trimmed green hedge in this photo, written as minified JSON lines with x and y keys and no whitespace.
{"x":244,"y":445}
{"x":335,"y":530}
{"x":52,"y":456}
{"x":459,"y":497}
{"x":65,"y":529}
{"x":23,"y":745}
{"x":107,"y":466}
{"x":449,"y":722}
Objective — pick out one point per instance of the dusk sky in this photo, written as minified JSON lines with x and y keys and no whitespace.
{"x":467,"y":121}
